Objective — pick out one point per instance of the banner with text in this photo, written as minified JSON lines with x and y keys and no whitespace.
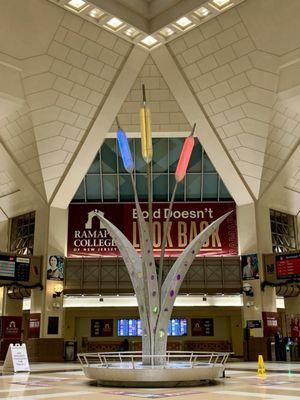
{"x":87,"y":236}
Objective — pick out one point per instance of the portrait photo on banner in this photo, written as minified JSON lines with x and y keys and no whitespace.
{"x":55,"y":268}
{"x":249,"y":265}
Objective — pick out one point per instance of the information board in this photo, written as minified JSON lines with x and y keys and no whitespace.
{"x":16,"y":359}
{"x":129,"y":327}
{"x":22,"y":269}
{"x":253,"y":323}
{"x":14,"y":268}
{"x":177,"y":327}
{"x":288,"y":266}
{"x":7,"y":267}
{"x":132,"y":327}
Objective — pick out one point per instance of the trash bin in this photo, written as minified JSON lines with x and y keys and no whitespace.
{"x":294,"y":351}
{"x":273,"y":352}
{"x":70,"y":351}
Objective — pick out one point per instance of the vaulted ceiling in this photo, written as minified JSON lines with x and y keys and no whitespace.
{"x":64,"y":80}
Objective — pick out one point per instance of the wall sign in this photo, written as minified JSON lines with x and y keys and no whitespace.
{"x":271,"y":325}
{"x":34,"y":325}
{"x":86,"y":236}
{"x":202,"y":326}
{"x":253,"y":324}
{"x":101,"y":327}
{"x":11,"y":327}
{"x":16,"y":359}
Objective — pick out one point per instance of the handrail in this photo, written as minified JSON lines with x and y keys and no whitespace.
{"x":134,"y":359}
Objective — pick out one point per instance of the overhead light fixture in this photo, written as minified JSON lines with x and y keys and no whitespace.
{"x":131,"y":32}
{"x":184,"y":23}
{"x":221,"y":4}
{"x":77,"y":5}
{"x":114,"y":23}
{"x":202,"y":12}
{"x":96,"y":13}
{"x":166,"y":32}
{"x":149,"y":41}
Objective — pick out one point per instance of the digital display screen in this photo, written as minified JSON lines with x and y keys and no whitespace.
{"x":14,"y":268}
{"x":177,"y":327}
{"x":22,"y":269}
{"x":7,"y":267}
{"x":288,"y":266}
{"x":129,"y":327}
{"x":132,"y":327}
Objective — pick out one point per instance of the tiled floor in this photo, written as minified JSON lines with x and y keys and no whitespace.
{"x":238,"y":385}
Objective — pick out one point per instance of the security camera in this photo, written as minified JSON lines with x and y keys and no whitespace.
{"x":247,"y":289}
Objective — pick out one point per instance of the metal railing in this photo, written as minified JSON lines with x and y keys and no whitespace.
{"x":135,"y":359}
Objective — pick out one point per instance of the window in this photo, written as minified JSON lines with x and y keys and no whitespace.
{"x":107,"y":180}
{"x":22,"y":234}
{"x":283,"y":232}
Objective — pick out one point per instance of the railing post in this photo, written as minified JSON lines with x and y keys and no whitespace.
{"x":85,"y":359}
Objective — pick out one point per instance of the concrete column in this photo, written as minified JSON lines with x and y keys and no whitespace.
{"x":298,"y":229}
{"x":292,"y":305}
{"x":292,"y":312}
{"x":4,"y":243}
{"x":50,"y":239}
{"x":11,"y":307}
{"x":4,"y":235}
{"x":254,"y":235}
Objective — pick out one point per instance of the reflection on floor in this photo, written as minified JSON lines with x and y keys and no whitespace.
{"x":238,"y":384}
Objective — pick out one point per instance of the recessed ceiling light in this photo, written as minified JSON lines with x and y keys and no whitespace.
{"x":166,"y":32}
{"x":202,"y":12}
{"x":114,"y":23}
{"x":149,"y":41}
{"x":96,"y":13}
{"x":221,"y":3}
{"x":132,"y":32}
{"x":77,"y":5}
{"x":184,"y":23}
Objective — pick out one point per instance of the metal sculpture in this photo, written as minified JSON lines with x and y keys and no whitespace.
{"x":155,"y":297}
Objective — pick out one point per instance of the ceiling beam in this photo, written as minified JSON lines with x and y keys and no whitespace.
{"x":28,"y":194}
{"x":277,"y":195}
{"x":93,"y":140}
{"x":162,"y":16}
{"x":204,"y":129}
{"x":135,"y":16}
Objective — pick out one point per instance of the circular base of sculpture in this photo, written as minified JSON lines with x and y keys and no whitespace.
{"x":133,"y":369}
{"x":154,"y":384}
{"x":175,"y":374}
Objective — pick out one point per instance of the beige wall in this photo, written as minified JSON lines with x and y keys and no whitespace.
{"x":227,"y":323}
{"x":4,"y":235}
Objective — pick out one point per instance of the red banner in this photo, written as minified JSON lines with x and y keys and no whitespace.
{"x":34,"y":325}
{"x":87,"y":237}
{"x":271,"y":323}
{"x":11,"y":327}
